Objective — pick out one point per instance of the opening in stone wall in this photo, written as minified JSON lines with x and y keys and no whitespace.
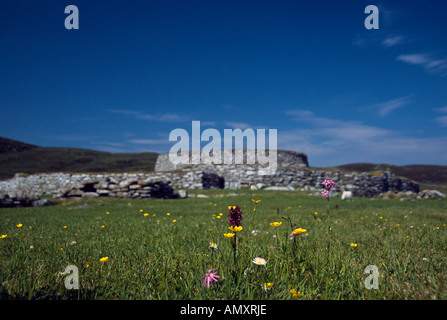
{"x":89,"y":187}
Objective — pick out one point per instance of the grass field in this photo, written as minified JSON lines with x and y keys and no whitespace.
{"x":160,"y":249}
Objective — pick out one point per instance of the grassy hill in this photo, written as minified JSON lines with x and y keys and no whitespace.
{"x":9,"y":145}
{"x":17,"y":156}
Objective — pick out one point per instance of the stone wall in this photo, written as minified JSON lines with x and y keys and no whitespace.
{"x":283,"y":158}
{"x":292,"y":173}
{"x":64,"y":185}
{"x":163,"y":184}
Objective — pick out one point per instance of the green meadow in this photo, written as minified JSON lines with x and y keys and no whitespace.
{"x":160,"y":249}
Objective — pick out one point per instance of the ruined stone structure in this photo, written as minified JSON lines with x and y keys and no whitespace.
{"x":292,"y":173}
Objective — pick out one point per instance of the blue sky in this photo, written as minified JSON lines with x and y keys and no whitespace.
{"x":136,"y":70}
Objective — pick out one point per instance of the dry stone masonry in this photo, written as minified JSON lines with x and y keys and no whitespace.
{"x":292,"y":173}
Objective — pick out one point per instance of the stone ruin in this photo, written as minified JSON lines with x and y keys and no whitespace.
{"x":293,"y":173}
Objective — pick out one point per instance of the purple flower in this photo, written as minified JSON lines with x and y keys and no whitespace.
{"x":209,"y":278}
{"x":235,"y":216}
{"x":326,"y":193}
{"x":327,"y":185}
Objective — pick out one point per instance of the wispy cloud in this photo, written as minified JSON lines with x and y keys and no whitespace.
{"x":444,"y":109}
{"x":166,"y":117}
{"x":369,"y":40}
{"x":238,"y":125}
{"x":387,"y":107}
{"x":383,"y":109}
{"x":135,"y":114}
{"x":443,"y":119}
{"x":149,"y":141}
{"x":208,"y":123}
{"x":330,"y":142}
{"x":427,"y":61}
{"x":392,"y":41}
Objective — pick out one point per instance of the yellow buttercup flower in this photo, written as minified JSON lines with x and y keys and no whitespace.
{"x":104,"y":259}
{"x":146,"y":214}
{"x":103,"y":226}
{"x":354,"y":245}
{"x":298,"y":231}
{"x":174,"y":221}
{"x":141,"y":210}
{"x":295,"y":293}
{"x":235,"y":228}
{"x":107,"y":212}
{"x":275,"y":224}
{"x":3,"y":236}
{"x":231,"y":207}
{"x":65,"y":227}
{"x":255,"y":201}
{"x":218,"y":217}
{"x":168,"y":214}
{"x":19,"y":225}
{"x":229,"y":235}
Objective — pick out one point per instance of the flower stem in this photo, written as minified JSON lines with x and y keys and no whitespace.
{"x":235,"y":251}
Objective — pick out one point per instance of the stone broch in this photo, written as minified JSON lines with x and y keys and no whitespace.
{"x":292,"y":173}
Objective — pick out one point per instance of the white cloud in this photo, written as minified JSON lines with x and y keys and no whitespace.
{"x":149,"y":141}
{"x":444,"y":109}
{"x":330,"y":142}
{"x":430,"y":64}
{"x":170,"y":117}
{"x":387,"y":107}
{"x":392,"y":41}
{"x":167,"y":117}
{"x":208,"y":123}
{"x":413,"y":58}
{"x":442,"y":121}
{"x":238,"y":125}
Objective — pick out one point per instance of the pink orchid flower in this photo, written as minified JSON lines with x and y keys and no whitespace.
{"x":209,"y":278}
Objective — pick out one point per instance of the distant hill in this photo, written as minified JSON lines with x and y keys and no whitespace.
{"x":21,"y":157}
{"x":424,"y":174}
{"x":9,"y":145}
